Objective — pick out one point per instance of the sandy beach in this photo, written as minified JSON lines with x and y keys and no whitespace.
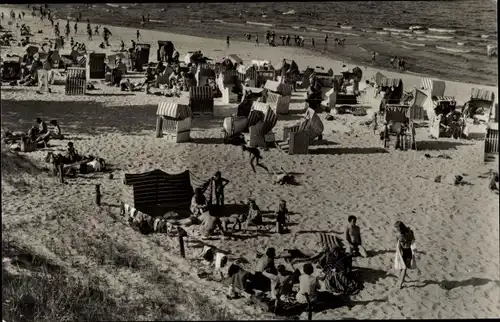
{"x":456,"y":227}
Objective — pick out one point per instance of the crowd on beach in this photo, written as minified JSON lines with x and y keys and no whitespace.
{"x":331,"y":269}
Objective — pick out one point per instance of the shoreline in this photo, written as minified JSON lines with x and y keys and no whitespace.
{"x":218,"y":49}
{"x":218,"y":29}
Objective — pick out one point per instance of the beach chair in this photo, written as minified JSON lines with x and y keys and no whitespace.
{"x":95,"y":66}
{"x":491,"y":143}
{"x":233,"y":127}
{"x":11,"y":69}
{"x":201,"y":101}
{"x":173,"y":122}
{"x":76,"y":82}
{"x":279,"y":96}
{"x":295,"y":140}
{"x":402,"y":124}
{"x":143,"y":54}
{"x":263,"y":76}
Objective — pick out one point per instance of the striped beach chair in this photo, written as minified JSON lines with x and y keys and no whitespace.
{"x":262,"y":112}
{"x":95,"y":66}
{"x":279,"y":96}
{"x":201,"y":101}
{"x":76,"y":82}
{"x":173,"y":122}
{"x":330,"y":241}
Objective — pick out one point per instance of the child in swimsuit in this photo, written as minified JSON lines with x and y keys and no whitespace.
{"x":219,"y":183}
{"x":353,"y":236}
{"x":281,"y":218}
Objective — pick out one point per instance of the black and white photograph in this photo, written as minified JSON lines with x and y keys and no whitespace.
{"x":249,"y":160}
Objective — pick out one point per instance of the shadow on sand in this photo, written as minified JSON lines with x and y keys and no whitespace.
{"x":450,"y":285}
{"x":438,"y":145}
{"x":21,"y":115}
{"x":347,"y":151}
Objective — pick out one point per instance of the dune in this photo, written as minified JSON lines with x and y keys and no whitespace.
{"x":348,"y":173}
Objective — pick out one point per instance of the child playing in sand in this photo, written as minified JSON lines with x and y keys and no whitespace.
{"x":282,"y":216}
{"x":219,"y":183}
{"x":254,"y":156}
{"x":353,"y":238}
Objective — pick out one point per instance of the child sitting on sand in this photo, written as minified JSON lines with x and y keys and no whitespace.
{"x":254,"y":214}
{"x":282,"y":216}
{"x":308,"y":284}
{"x":71,"y":152}
{"x":199,"y":203}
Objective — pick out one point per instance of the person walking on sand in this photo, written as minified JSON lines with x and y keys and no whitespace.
{"x":227,"y":41}
{"x":96,"y":30}
{"x":68,"y":29}
{"x":257,"y":40}
{"x":374,"y":55}
{"x":326,"y":42}
{"x":392,"y":61}
{"x":312,"y":43}
{"x":219,"y":184}
{"x":138,"y":34}
{"x":89,"y":32}
{"x":405,"y":251}
{"x":254,"y":156}
{"x":76,"y":28}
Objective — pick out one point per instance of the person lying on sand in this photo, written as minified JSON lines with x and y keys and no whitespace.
{"x":282,"y":216}
{"x":199,"y":203}
{"x":254,"y":156}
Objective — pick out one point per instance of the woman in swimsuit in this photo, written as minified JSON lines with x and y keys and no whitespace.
{"x":405,"y":240}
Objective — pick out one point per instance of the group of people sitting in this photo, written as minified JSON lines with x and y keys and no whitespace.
{"x":208,"y":217}
{"x":39,"y":133}
{"x":330,"y":270}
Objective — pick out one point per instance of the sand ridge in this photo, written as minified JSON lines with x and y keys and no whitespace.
{"x":456,"y":227}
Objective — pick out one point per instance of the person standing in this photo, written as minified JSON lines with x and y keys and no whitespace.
{"x":257,"y":40}
{"x":227,"y":41}
{"x":138,"y":34}
{"x":312,"y":43}
{"x":405,"y":257}
{"x":219,"y":185}
{"x":44,"y":76}
{"x":374,"y":55}
{"x":76,"y":27}
{"x":89,"y":31}
{"x":326,"y":42}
